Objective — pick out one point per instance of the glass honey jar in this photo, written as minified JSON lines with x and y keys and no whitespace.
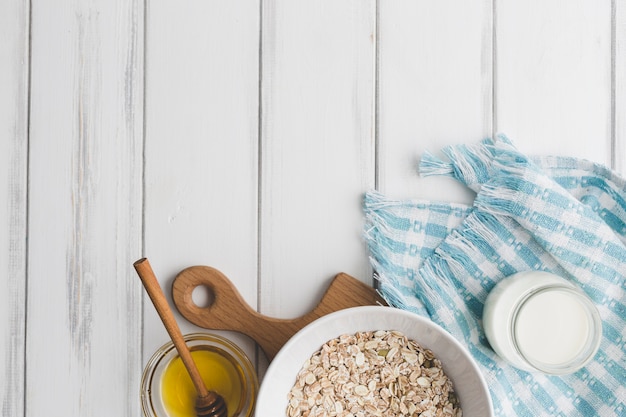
{"x":167,"y":390}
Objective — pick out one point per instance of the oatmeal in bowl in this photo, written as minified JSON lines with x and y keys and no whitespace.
{"x":373,"y":361}
{"x":373,"y":373}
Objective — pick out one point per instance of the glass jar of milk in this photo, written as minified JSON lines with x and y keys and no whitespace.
{"x":538,"y":321}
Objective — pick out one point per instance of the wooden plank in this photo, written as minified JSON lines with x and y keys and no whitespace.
{"x":14,"y":56}
{"x":317,"y":153}
{"x":201,"y":146}
{"x":554,"y":76}
{"x":435,"y":89}
{"x":619,"y":92}
{"x":84,"y":315}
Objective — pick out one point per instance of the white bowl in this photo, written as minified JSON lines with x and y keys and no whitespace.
{"x":469,"y":384}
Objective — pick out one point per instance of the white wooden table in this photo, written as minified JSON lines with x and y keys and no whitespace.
{"x":242,"y":135}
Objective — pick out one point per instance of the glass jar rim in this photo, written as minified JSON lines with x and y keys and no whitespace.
{"x":591,"y":345}
{"x":154,"y":365}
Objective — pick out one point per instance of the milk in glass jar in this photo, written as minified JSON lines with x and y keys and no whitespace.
{"x":539,"y":321}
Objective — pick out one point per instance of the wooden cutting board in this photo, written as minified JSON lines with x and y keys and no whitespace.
{"x":229,"y":311}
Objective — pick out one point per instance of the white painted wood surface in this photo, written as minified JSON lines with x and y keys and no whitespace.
{"x":14,"y":67}
{"x":242,"y":135}
{"x":317,"y":57}
{"x":618,"y":115}
{"x":435,"y":88}
{"x":553,"y":84}
{"x":201,"y":145}
{"x":83,"y":302}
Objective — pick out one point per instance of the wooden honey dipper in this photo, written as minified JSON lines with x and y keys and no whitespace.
{"x":208,"y":403}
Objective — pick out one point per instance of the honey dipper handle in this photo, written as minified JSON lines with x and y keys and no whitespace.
{"x":151,"y":284}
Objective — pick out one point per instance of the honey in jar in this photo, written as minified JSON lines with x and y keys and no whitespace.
{"x":167,"y":390}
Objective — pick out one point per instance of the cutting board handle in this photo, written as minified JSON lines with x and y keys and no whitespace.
{"x":228,"y":310}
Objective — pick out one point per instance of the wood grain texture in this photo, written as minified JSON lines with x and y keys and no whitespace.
{"x":435,"y":89}
{"x":85,"y":209}
{"x":619,"y":86}
{"x":229,"y":311}
{"x":553,"y":64}
{"x":317,"y":147}
{"x":14,"y":67}
{"x":201,"y":145}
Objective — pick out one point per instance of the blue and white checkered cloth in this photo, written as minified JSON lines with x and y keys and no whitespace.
{"x":558,"y":214}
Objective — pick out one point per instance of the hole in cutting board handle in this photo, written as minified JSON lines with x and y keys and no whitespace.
{"x":203,"y":296}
